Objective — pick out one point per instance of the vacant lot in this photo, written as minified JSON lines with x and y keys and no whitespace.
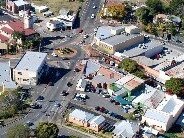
{"x":56,"y":5}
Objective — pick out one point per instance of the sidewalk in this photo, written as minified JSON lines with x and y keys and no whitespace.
{"x":7,"y":56}
{"x":73,"y":129}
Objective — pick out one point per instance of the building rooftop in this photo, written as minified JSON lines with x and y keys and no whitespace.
{"x":82,"y":115}
{"x":104,"y":32}
{"x":92,"y":66}
{"x":150,"y":97}
{"x":171,"y":105}
{"x":3,"y":38}
{"x":102,"y":79}
{"x":137,"y":50}
{"x":20,"y":2}
{"x":7,"y":30}
{"x":125,"y":129}
{"x":97,"y":120}
{"x":157,"y":115}
{"x":5,"y":75}
{"x":31,"y":61}
{"x":125,"y":79}
{"x":117,"y":39}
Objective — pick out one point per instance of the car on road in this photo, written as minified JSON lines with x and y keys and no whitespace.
{"x":29,"y":123}
{"x":80,"y":31}
{"x":92,"y":16}
{"x":94,"y":7}
{"x":64,"y":93}
{"x":57,"y":104}
{"x":69,"y":84}
{"x":40,"y":97}
{"x":97,"y":108}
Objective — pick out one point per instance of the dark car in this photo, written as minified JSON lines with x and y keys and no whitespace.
{"x":117,"y":103}
{"x":112,"y":100}
{"x":102,"y":109}
{"x":40,"y":98}
{"x":69,"y":84}
{"x":97,"y":108}
{"x":64,"y":93}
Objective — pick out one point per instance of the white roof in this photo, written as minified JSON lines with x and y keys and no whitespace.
{"x":171,"y":105}
{"x":82,"y":83}
{"x":5,"y":76}
{"x":125,"y":79}
{"x":92,"y":66}
{"x":157,"y":115}
{"x":151,"y":97}
{"x":20,"y":2}
{"x":125,"y":129}
{"x":82,"y":115}
{"x":97,"y":120}
{"x":31,"y":61}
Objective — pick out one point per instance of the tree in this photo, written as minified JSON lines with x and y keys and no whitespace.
{"x":144,"y":15}
{"x":18,"y":35}
{"x":19,"y":131}
{"x":129,"y":65}
{"x":116,"y":10}
{"x":47,"y":130}
{"x":175,"y":86}
{"x":155,"y":6}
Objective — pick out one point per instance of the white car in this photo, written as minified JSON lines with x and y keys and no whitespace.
{"x":92,"y":16}
{"x":85,"y":36}
{"x":94,"y":7}
{"x":54,"y":55}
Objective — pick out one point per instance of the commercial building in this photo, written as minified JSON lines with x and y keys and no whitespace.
{"x":31,"y":67}
{"x":112,"y":39}
{"x":125,"y":129}
{"x":86,"y":120}
{"x":15,"y":6}
{"x":166,"y":113}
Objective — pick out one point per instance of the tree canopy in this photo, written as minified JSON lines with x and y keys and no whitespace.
{"x":155,"y":6}
{"x":175,"y":86}
{"x":144,"y":15}
{"x":47,"y":130}
{"x":19,"y":131}
{"x":116,"y":10}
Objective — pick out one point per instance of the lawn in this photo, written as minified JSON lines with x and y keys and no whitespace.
{"x":56,"y":5}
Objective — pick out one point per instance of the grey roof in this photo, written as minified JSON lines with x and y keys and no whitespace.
{"x":20,"y":2}
{"x":97,"y":120}
{"x":170,"y":106}
{"x":125,"y":129}
{"x":103,"y":79}
{"x":157,"y":115}
{"x":117,"y":39}
{"x":31,"y":61}
{"x":5,"y":76}
{"x":82,"y":115}
{"x":92,"y":66}
{"x":136,"y":51}
{"x":104,"y":32}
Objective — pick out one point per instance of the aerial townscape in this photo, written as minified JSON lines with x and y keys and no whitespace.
{"x":92,"y":69}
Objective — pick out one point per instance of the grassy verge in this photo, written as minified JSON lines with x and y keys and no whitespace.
{"x":56,"y":5}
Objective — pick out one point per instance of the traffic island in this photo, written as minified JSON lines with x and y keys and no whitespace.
{"x":65,"y":52}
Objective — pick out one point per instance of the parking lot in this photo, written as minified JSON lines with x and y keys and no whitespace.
{"x":95,"y":100}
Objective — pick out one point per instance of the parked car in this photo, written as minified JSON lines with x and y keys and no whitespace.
{"x":29,"y":123}
{"x":57,"y":104}
{"x":92,"y":16}
{"x":112,"y":100}
{"x":69,"y":84}
{"x":97,"y":108}
{"x":54,"y":54}
{"x":40,"y":98}
{"x":64,"y":93}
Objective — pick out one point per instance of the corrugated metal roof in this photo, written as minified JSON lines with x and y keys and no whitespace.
{"x":31,"y":61}
{"x":82,"y":115}
{"x":97,"y":120}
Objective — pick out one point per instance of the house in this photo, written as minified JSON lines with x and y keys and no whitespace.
{"x":15,"y":6}
{"x":165,"y":115}
{"x":7,"y":30}
{"x":6,"y":76}
{"x":125,"y":129}
{"x":167,"y":18}
{"x":86,"y":120}
{"x":113,"y":39}
{"x":81,"y":85}
{"x":96,"y":123}
{"x":30,"y":69}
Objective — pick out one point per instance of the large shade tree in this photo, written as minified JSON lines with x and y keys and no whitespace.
{"x":47,"y":130}
{"x":175,"y":86}
{"x":19,"y":131}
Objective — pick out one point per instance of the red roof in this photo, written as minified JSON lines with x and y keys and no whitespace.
{"x":18,"y":26}
{"x":3,"y":38}
{"x":7,"y":30}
